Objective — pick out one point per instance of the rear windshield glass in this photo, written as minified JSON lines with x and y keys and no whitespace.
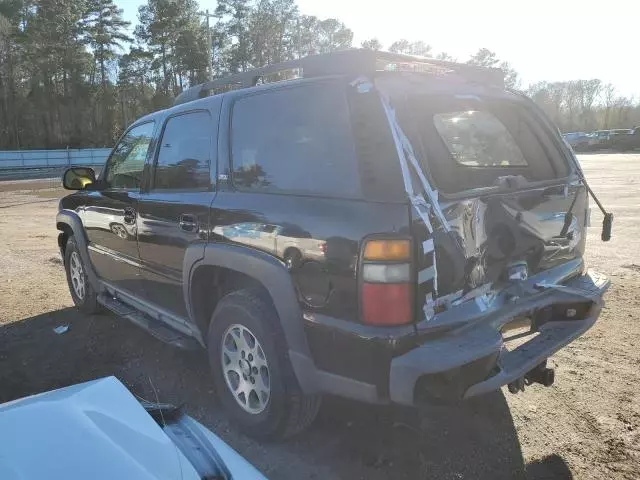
{"x":474,"y":143}
{"x":478,"y":139}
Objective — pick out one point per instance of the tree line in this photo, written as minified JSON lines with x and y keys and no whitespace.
{"x":74,"y":73}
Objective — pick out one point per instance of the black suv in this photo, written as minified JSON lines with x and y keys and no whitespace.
{"x":360,"y":223}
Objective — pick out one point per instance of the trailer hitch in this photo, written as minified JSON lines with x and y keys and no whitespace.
{"x":540,"y":374}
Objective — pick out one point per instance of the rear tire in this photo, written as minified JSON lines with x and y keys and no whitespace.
{"x":245,"y":325}
{"x":293,"y":258}
{"x":81,"y":292}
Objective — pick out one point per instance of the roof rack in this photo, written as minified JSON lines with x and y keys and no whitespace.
{"x":345,"y":62}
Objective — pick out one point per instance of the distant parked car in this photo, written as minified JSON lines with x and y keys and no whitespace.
{"x":630,"y":141}
{"x":618,"y":135}
{"x":99,"y":430}
{"x":579,"y":141}
{"x":601,"y":139}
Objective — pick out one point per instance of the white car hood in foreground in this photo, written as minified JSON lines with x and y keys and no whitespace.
{"x":95,"y":430}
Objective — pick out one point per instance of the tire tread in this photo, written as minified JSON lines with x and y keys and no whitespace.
{"x":301,"y":409}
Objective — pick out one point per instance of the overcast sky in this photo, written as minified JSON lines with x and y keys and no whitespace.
{"x":548,"y":40}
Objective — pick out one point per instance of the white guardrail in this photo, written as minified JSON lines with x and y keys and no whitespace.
{"x":30,"y":159}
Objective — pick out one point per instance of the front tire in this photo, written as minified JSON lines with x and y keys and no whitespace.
{"x":253,"y":375}
{"x":81,"y":292}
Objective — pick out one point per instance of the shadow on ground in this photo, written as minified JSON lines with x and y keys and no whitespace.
{"x":348,"y":440}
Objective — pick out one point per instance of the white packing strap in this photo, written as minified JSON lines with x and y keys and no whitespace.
{"x":405,"y":150}
{"x":427,"y":246}
{"x":431,"y":194}
{"x":429,"y":307}
{"x":398,"y":135}
{"x":418,"y":201}
{"x":422,"y":207}
{"x":406,"y":177}
{"x":473,"y":294}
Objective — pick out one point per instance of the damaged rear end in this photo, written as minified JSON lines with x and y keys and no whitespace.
{"x":499,"y":212}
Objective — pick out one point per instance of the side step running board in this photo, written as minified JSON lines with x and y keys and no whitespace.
{"x":154,"y":327}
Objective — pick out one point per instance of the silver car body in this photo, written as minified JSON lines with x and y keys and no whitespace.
{"x":99,"y":430}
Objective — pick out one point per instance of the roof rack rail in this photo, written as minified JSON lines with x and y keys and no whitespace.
{"x":344,"y":62}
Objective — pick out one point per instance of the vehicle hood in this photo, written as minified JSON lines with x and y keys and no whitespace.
{"x":92,"y":430}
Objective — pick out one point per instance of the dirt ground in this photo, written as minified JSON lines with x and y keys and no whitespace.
{"x":586,"y":426}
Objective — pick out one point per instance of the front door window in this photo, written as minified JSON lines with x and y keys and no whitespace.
{"x":124,"y":167}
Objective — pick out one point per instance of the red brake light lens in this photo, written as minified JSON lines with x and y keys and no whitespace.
{"x":386,"y":294}
{"x":386,"y":304}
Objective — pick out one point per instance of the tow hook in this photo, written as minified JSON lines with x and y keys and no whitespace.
{"x":541,"y":374}
{"x":516,"y":386}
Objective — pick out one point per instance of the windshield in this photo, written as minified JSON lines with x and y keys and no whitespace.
{"x":478,"y":139}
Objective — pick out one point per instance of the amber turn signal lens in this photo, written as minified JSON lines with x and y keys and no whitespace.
{"x":387,"y":250}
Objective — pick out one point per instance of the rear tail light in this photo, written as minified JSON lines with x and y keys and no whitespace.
{"x":382,"y":273}
{"x":387,"y":250}
{"x":386,"y":294}
{"x":386,"y":303}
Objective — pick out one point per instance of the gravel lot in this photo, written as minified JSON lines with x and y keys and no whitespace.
{"x":586,"y":426}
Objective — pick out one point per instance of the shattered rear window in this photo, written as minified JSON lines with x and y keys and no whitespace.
{"x":478,"y":139}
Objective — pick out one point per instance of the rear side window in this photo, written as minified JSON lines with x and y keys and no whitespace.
{"x":478,"y":139}
{"x":295,"y":140}
{"x":185,"y":153}
{"x":126,"y":163}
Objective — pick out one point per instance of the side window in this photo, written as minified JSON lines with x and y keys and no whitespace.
{"x":295,"y":140}
{"x":125,"y":166}
{"x":185,"y":153}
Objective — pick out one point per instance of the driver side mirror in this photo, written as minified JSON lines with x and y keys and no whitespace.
{"x":78,"y":178}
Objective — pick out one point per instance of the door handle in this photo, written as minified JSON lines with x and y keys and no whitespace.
{"x":129,"y":216}
{"x":188,"y":223}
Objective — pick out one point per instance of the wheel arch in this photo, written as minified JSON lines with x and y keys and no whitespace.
{"x":69,"y":224}
{"x":248,"y":268}
{"x":291,"y":249}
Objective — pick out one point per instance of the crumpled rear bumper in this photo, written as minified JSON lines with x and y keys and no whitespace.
{"x":472,"y":360}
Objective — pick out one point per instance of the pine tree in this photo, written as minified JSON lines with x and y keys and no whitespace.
{"x":233,"y":18}
{"x":158,"y":30}
{"x":486,"y":58}
{"x":104,"y":32}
